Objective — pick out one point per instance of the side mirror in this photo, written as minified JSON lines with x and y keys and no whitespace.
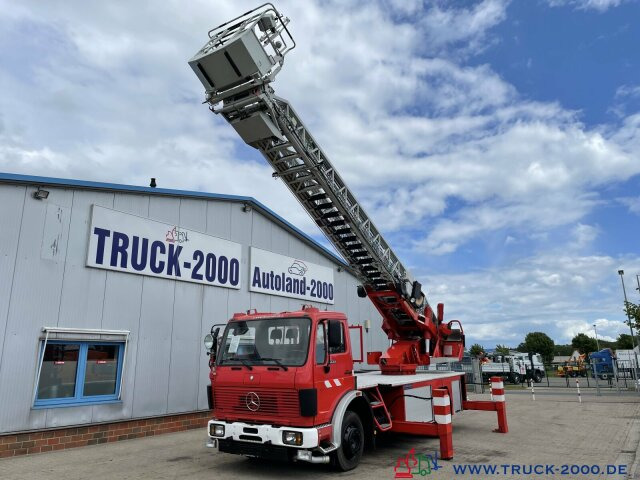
{"x":214,"y":349}
{"x":335,"y":335}
{"x":211,"y":342}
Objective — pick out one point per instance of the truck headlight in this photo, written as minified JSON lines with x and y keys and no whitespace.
{"x":291,"y":438}
{"x":216,"y":430}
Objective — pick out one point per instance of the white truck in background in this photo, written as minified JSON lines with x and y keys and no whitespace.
{"x":627,"y":362}
{"x":534,"y":366}
{"x":515,"y":367}
{"x":505,"y":366}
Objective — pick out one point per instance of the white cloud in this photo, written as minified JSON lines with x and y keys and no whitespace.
{"x":557,"y":293}
{"x":628,"y":91}
{"x":605,"y":329}
{"x":440,"y":151}
{"x":632,"y":203}
{"x":599,"y":5}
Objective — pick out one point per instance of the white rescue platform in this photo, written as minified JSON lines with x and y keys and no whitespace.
{"x":376,"y":378}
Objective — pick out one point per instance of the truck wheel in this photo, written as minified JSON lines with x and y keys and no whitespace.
{"x":347,"y":457}
{"x":514,"y":378}
{"x":537,"y":377}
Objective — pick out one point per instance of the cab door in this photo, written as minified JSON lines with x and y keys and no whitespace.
{"x":333,"y":370}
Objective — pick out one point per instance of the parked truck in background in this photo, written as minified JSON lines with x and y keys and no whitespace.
{"x":628,"y":363}
{"x":602,"y":363}
{"x":533,"y":363}
{"x":506,"y":366}
{"x":573,"y":368}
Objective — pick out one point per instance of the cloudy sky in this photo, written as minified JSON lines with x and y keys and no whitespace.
{"x":496,"y":143}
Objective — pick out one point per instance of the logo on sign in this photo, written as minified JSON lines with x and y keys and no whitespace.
{"x":177,"y":236}
{"x":298,"y":268}
{"x":277,"y":274}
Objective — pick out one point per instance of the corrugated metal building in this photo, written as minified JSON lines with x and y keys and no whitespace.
{"x":75,"y":277}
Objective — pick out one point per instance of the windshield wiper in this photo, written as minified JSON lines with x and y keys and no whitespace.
{"x":277,"y":361}
{"x":244,"y":362}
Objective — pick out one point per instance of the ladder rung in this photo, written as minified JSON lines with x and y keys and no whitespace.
{"x":365,"y":261}
{"x":278,"y":147}
{"x":285,"y":158}
{"x":318,"y":196}
{"x":298,"y":179}
{"x":336,"y":223}
{"x":307,"y":189}
{"x":329,"y":215}
{"x":297,"y":168}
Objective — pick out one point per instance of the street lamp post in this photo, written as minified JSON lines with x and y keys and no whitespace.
{"x":596,"y":332}
{"x":633,"y":343}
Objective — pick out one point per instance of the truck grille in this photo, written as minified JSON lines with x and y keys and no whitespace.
{"x":278,"y":402}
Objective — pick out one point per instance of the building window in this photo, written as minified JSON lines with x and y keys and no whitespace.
{"x":75,"y":372}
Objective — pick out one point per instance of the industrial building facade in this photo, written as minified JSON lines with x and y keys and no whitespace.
{"x":106,"y":292}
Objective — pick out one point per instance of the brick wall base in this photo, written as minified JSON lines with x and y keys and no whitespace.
{"x":71,"y":437}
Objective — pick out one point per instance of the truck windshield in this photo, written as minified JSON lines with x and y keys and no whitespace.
{"x":268,"y":341}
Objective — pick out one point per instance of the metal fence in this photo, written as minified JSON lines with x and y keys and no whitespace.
{"x":470,"y":367}
{"x":619,"y":375}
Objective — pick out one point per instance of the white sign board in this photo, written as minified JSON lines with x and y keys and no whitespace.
{"x":290,"y":277}
{"x":128,"y":243}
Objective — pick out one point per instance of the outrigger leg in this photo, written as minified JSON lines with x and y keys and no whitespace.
{"x":498,"y":404}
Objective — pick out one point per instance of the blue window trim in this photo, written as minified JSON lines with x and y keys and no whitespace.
{"x":79,"y":399}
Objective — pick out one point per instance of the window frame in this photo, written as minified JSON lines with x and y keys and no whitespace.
{"x":79,"y":398}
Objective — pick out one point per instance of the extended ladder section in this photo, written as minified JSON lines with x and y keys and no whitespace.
{"x":236,"y":67}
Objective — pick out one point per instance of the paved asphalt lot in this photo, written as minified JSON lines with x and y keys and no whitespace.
{"x":554,"y":429}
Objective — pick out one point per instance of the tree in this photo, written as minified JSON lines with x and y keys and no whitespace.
{"x":563,"y":350}
{"x":522,"y":348}
{"x":633,"y":313}
{"x":624,"y":342}
{"x":502,"y":349}
{"x":476,"y":350}
{"x":584,"y":343}
{"x":540,"y":342}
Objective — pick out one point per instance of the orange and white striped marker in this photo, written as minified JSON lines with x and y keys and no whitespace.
{"x":497,"y":394}
{"x":497,"y":389}
{"x":442,"y":416}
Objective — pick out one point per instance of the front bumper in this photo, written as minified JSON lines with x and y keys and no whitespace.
{"x":251,"y":434}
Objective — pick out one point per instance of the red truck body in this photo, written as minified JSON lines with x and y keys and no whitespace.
{"x":283,"y":386}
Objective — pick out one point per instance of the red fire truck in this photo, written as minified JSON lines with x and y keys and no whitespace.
{"x":283,"y":384}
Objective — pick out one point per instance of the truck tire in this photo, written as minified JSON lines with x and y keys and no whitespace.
{"x":348,"y":456}
{"x":537,"y":377}
{"x":514,"y":378}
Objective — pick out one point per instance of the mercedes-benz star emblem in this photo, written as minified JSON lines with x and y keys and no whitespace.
{"x":253,"y":401}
